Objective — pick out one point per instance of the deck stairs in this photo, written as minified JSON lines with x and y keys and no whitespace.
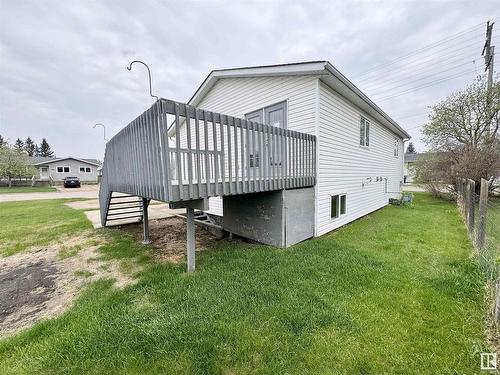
{"x":124,"y":209}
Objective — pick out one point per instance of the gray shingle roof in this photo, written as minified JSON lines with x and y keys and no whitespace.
{"x":40,"y":159}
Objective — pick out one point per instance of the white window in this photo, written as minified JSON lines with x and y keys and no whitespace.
{"x":85,"y":170}
{"x":338,"y":205}
{"x":396,"y":147}
{"x":364,"y":132}
{"x":62,"y":169}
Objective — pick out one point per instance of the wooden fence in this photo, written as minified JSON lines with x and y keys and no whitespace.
{"x":482,"y":219}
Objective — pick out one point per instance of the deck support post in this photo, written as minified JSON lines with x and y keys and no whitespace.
{"x":190,"y":239}
{"x":145,"y":221}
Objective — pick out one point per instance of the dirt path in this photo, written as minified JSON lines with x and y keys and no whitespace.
{"x":43,"y":282}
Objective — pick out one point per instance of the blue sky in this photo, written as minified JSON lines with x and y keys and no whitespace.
{"x":63,"y":64}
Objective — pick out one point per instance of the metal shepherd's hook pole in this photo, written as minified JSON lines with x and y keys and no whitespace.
{"x":149,"y":75}
{"x":104,"y":128}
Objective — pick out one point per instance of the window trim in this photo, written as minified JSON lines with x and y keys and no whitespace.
{"x":339,"y":204}
{"x":265,"y":110}
{"x":84,"y":170}
{"x":62,"y":167}
{"x":364,"y":123}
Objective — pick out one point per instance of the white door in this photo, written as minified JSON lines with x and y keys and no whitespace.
{"x":274,"y":115}
{"x":44,"y":173}
{"x":254,"y":157}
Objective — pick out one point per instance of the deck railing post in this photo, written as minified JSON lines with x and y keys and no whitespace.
{"x":190,"y":240}
{"x":145,"y":221}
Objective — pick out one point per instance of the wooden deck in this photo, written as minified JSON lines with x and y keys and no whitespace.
{"x":211,"y":153}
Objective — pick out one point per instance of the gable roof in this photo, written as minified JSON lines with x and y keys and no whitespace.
{"x":328,"y":74}
{"x":37,"y":160}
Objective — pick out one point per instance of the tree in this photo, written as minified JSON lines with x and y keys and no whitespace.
{"x":37,"y":150}
{"x":45,"y":150}
{"x":410,"y":149}
{"x":29,"y":147}
{"x":462,"y":135}
{"x":19,"y":145}
{"x":3,"y":142}
{"x":14,"y":164}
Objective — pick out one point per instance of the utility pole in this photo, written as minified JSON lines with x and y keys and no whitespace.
{"x":489,"y":60}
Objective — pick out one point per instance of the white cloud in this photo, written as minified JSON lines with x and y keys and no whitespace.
{"x":63,"y":64}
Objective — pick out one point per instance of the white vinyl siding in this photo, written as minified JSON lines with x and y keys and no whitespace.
{"x":58,"y":170}
{"x":363,"y":173}
{"x":240,"y":96}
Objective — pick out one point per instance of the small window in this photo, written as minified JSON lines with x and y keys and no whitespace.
{"x":82,"y":169}
{"x":364,"y":132}
{"x":254,"y":160}
{"x":88,"y":170}
{"x":59,"y":169}
{"x":66,"y":169}
{"x":338,"y":206}
{"x":342,"y":204}
{"x":396,"y":147}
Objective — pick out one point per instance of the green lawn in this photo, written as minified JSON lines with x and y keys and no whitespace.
{"x":28,"y":223}
{"x":26,"y":189}
{"x":394,"y":292}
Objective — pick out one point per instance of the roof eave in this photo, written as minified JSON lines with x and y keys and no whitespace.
{"x":306,"y":68}
{"x":389,"y":121}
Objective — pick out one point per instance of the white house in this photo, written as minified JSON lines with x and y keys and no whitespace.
{"x":359,"y":151}
{"x":409,"y":166}
{"x":54,"y":169}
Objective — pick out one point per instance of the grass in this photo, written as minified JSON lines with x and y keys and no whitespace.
{"x":26,"y":189}
{"x":394,"y":292}
{"x":29,"y":223}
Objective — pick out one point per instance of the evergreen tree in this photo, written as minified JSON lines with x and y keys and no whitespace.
{"x":37,"y":150}
{"x":19,"y":145}
{"x":410,"y":149}
{"x":45,"y":150}
{"x":29,"y":147}
{"x":3,"y":142}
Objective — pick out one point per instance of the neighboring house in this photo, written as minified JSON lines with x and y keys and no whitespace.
{"x":409,"y":167}
{"x":56,"y":169}
{"x":359,"y":147}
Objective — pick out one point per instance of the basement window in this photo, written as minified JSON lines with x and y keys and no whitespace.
{"x":338,"y":205}
{"x":364,"y":132}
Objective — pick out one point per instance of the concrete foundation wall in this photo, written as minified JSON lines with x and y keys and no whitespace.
{"x":277,"y":218}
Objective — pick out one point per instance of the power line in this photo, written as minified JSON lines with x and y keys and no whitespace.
{"x":426,"y":59}
{"x":422,"y":71}
{"x":424,"y":86}
{"x":405,"y":82}
{"x":430,"y":46}
{"x":393,"y":86}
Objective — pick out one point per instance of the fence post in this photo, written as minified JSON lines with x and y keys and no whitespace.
{"x":483,"y":207}
{"x":470,"y":205}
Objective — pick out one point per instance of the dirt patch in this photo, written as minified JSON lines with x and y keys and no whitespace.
{"x":43,"y":282}
{"x":168,"y":237}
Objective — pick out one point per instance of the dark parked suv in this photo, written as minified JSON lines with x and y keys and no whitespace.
{"x":71,"y":182}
